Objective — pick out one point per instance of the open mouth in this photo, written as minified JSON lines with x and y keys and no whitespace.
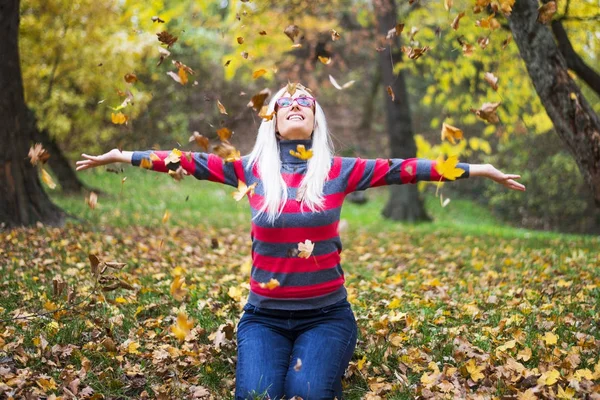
{"x":295,"y":117}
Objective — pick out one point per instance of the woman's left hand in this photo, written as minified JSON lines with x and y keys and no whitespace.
{"x":507,"y":180}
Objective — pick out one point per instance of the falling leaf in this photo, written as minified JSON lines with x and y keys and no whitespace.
{"x":325,"y":60}
{"x":444,"y":202}
{"x":37,"y":153}
{"x":92,"y":200}
{"x":182,"y":327}
{"x":487,"y":112}
{"x":447,"y":168}
{"x":157,"y":19}
{"x":272,"y":284}
{"x":166,"y":38}
{"x":227,"y":63}
{"x":488,"y":23}
{"x":258,"y":73}
{"x":258,"y":99}
{"x":292,"y":31}
{"x":451,"y":133}
{"x":291,"y":88}
{"x":262,"y":33}
{"x":506,"y":42}
{"x":224,"y":134}
{"x":200,"y":140}
{"x":221,"y":107}
{"x":244,"y":54}
{"x":119,"y":118}
{"x":337,"y":86}
{"x":264,"y":113}
{"x":166,"y":216}
{"x":491,"y":79}
{"x":390,"y":92}
{"x":301,"y":152}
{"x":334,"y":35}
{"x":146,"y":163}
{"x":483,"y":41}
{"x":227,"y":152}
{"x":456,"y":20}
{"x":131,"y":78}
{"x":47,"y":179}
{"x":174,"y":157}
{"x":179,"y":288}
{"x":178,"y":174}
{"x":546,"y":12}
{"x":242,"y":190}
{"x":164,"y":53}
{"x":305,"y":248}
{"x":414,"y":53}
{"x":447,"y":4}
{"x":240,"y":40}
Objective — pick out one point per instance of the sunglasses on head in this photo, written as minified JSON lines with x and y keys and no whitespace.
{"x":303,"y":101}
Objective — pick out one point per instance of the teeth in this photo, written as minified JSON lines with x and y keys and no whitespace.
{"x":296,"y":117}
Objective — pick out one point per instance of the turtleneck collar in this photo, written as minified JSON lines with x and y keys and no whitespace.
{"x":286,"y":145}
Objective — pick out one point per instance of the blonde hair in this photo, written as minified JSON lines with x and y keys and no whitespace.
{"x":266,"y":155}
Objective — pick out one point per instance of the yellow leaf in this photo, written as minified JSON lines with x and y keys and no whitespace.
{"x":118,"y":118}
{"x":325,"y":60}
{"x":132,"y":348}
{"x":235,"y":293}
{"x":183,"y":78}
{"x":447,"y":168}
{"x":146,"y":163}
{"x":258,"y":73}
{"x":47,"y":179}
{"x":474,"y":370}
{"x":166,"y":216}
{"x":394,"y":303}
{"x":529,"y":394}
{"x":524,"y":354}
{"x":451,"y":133}
{"x":46,"y":384}
{"x":305,"y":248}
{"x":221,"y":108}
{"x":182,"y":327}
{"x":550,"y":338}
{"x":301,"y":152}
{"x":361,"y":363}
{"x":173,"y":157}
{"x":242,"y":190}
{"x":121,"y":300}
{"x":565,"y":394}
{"x":583,"y":374}
{"x":549,"y":378}
{"x":272,"y":284}
{"x":179,"y":288}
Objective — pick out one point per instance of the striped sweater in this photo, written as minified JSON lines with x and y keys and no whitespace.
{"x":304,"y":283}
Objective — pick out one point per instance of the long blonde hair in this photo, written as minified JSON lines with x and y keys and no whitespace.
{"x":266,"y":155}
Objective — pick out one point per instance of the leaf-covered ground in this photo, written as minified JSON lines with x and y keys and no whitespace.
{"x":445,"y":311}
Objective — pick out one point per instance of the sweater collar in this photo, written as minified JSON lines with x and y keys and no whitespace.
{"x":286,"y":145}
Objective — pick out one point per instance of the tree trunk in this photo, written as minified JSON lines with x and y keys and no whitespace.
{"x":404,"y":203}
{"x":65,"y":174}
{"x":22,"y":198}
{"x":573,"y":118}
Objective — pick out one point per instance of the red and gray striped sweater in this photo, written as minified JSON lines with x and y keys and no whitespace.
{"x":305,"y":283}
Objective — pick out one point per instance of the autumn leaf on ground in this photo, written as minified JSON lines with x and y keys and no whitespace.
{"x":174,"y":157}
{"x":447,"y":168}
{"x":179,"y":288}
{"x":549,"y":377}
{"x":301,"y":152}
{"x":182,"y":327}
{"x":334,"y":35}
{"x":258,"y":100}
{"x":414,"y":52}
{"x":119,"y":118}
{"x":131,"y":78}
{"x":37,"y":153}
{"x":491,"y":79}
{"x":550,"y":338}
{"x":456,"y":20}
{"x":258,"y":73}
{"x":224,"y":134}
{"x":166,"y":38}
{"x":272,"y":284}
{"x":474,"y":370}
{"x":546,"y":12}
{"x":451,"y":133}
{"x":47,"y":179}
{"x":487,"y":112}
{"x":92,"y":200}
{"x":200,"y":140}
{"x":306,"y":248}
{"x":337,"y":86}
{"x":242,"y":190}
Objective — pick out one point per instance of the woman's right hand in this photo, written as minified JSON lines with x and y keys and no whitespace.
{"x":113,"y":156}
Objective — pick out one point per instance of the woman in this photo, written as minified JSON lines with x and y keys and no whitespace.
{"x":298,"y":332}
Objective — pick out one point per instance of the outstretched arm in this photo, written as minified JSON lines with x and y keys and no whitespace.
{"x":366,"y":173}
{"x":200,"y":165}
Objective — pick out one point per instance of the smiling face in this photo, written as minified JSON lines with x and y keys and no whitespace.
{"x":295,"y":121}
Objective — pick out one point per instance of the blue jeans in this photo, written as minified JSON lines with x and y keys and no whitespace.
{"x":271,"y":341}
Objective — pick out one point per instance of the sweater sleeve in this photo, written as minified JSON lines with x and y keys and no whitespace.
{"x":203,"y":166}
{"x":367,"y":173}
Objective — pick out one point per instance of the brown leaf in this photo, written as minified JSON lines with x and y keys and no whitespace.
{"x":487,"y":112}
{"x":334,"y":35}
{"x":292,"y":31}
{"x":546,"y":12}
{"x":258,"y":100}
{"x":240,"y":40}
{"x":200,"y":140}
{"x":157,"y":19}
{"x":92,"y":200}
{"x":414,"y":52}
{"x":390,"y":92}
{"x":456,"y":20}
{"x":491,"y":79}
{"x":166,"y":38}
{"x":131,"y":78}
{"x":224,"y":134}
{"x":37,"y":153}
{"x":221,"y":107}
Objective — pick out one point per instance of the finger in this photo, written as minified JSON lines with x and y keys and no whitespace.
{"x":514,"y":176}
{"x":89,"y":157}
{"x":516,"y":185}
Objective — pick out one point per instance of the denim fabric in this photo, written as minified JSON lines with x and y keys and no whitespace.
{"x":270,"y":342}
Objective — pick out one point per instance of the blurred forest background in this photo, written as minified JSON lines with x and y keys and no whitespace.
{"x":81,"y":59}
